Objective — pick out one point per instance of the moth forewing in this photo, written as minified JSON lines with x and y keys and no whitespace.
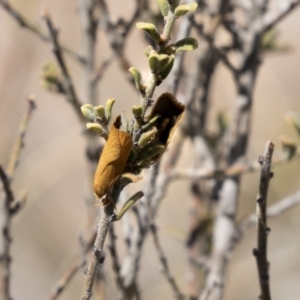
{"x":113,"y":159}
{"x":170,"y":111}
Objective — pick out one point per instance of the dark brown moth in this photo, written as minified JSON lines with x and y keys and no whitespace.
{"x":170,"y":112}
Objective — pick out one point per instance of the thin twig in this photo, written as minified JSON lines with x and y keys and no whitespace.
{"x":10,"y":206}
{"x":101,"y":69}
{"x":57,"y":50}
{"x":24,"y":23}
{"x":222,"y":173}
{"x":272,"y":18}
{"x":177,"y":70}
{"x":5,"y":237}
{"x":273,"y":210}
{"x":155,"y":190}
{"x":263,"y":230}
{"x":19,"y":142}
{"x":89,"y":25}
{"x":96,"y":259}
{"x":103,"y":227}
{"x":115,"y":257}
{"x":164,"y":262}
{"x":117,"y":35}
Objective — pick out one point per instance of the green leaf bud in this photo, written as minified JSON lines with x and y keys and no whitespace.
{"x":150,"y":29}
{"x":294,"y":119}
{"x":137,"y":77}
{"x":88,"y":111}
{"x":150,"y":123}
{"x":152,"y":149}
{"x":95,"y":127}
{"x":147,"y":137}
{"x":137,"y":111}
{"x":108,"y":107}
{"x":100,"y":112}
{"x":158,"y":62}
{"x":149,"y":50}
{"x":187,"y":44}
{"x":166,"y":71}
{"x":185,"y":8}
{"x":289,"y":146}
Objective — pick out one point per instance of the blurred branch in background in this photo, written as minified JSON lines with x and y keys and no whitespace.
{"x":165,"y":265}
{"x":10,"y":205}
{"x":24,"y":23}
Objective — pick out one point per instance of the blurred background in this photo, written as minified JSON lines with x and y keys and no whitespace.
{"x":52,"y":168}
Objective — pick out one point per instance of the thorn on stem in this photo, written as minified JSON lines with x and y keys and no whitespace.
{"x":255,"y":252}
{"x":259,"y":200}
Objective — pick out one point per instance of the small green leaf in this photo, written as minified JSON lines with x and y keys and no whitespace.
{"x":88,"y":111}
{"x":95,"y":127}
{"x":294,"y":119}
{"x":149,"y":50}
{"x":100,"y":112}
{"x":137,"y":111}
{"x":185,"y":8}
{"x":128,"y":204}
{"x":108,"y":107}
{"x":164,"y":60}
{"x":152,"y":149}
{"x":158,"y":62}
{"x":150,"y":29}
{"x":150,"y":123}
{"x":137,"y":77}
{"x":147,"y":137}
{"x":289,"y":146}
{"x":166,"y":71}
{"x":51,"y":79}
{"x":154,"y":63}
{"x":187,"y":44}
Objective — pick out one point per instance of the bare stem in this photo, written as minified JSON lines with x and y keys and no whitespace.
{"x":103,"y":227}
{"x":5,"y":237}
{"x":9,"y":206}
{"x":237,"y":169}
{"x":96,"y":259}
{"x":57,"y":50}
{"x":115,"y":258}
{"x":89,"y":22}
{"x":164,"y":262}
{"x":262,"y":229}
{"x":19,"y":142}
